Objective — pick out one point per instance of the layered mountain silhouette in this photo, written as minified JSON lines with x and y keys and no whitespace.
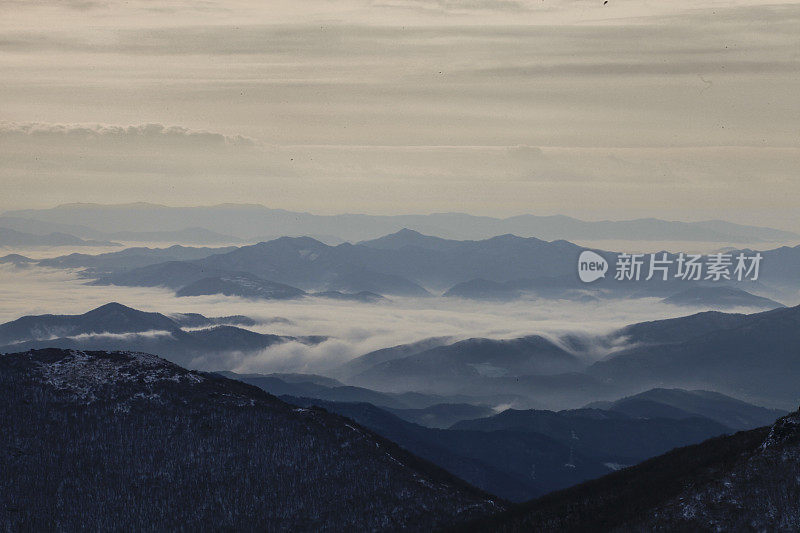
{"x":720,"y":298}
{"x":612,"y":436}
{"x":752,"y":357}
{"x":428,"y":410}
{"x":129,"y":258}
{"x":244,"y":285}
{"x":742,"y":482}
{"x":309,"y":264}
{"x":115,"y":326}
{"x":182,"y":449}
{"x":363,"y":296}
{"x":248,"y":221}
{"x":522,"y":461}
{"x":680,"y":404}
{"x":13,"y":238}
{"x":360,"y":364}
{"x":470,"y":360}
{"x":408,"y":263}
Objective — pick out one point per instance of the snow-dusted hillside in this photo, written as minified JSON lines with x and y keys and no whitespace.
{"x":99,"y":439}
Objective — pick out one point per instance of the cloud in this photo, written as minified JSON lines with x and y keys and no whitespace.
{"x":86,"y":159}
{"x":144,"y":134}
{"x":454,"y":6}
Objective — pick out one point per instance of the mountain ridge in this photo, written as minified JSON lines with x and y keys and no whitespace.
{"x":230,"y":218}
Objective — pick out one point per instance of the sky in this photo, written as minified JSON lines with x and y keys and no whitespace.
{"x":681,"y":110}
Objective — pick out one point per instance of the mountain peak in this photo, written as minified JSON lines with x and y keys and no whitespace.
{"x":409,"y":237}
{"x":406,"y":232}
{"x":112,"y":306}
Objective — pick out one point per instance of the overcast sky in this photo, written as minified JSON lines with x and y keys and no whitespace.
{"x":677,"y":109}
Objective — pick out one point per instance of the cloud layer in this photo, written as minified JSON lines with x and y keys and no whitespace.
{"x":354,"y":328}
{"x":355,"y":105}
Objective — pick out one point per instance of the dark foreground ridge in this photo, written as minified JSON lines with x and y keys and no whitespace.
{"x":749,"y":481}
{"x":103,"y":440}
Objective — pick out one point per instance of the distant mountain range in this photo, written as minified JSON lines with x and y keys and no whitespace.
{"x":114,"y":326}
{"x":11,"y":238}
{"x":181,"y":449}
{"x":742,"y":482}
{"x":41,"y":228}
{"x":679,"y":403}
{"x":408,"y":263}
{"x":249,"y":221}
{"x":244,"y":285}
{"x":424,"y":409}
{"x":720,"y":298}
{"x":123,"y":260}
{"x":470,"y":360}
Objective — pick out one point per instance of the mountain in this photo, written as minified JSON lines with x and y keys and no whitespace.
{"x":407,"y":238}
{"x":108,"y":318}
{"x":679,"y":403}
{"x":408,"y":264}
{"x":518,"y":462}
{"x":13,"y":238}
{"x":129,"y":258}
{"x":752,"y":233}
{"x":311,"y":387}
{"x":243,"y":285}
{"x":743,"y":482}
{"x":779,"y":267}
{"x":610,"y":436}
{"x":248,"y":221}
{"x":720,"y":298}
{"x":443,"y":415}
{"x":193,"y":235}
{"x":361,"y":280}
{"x":115,"y":326}
{"x":170,"y":274}
{"x":676,"y":330}
{"x":363,"y":362}
{"x":564,"y":287}
{"x":530,"y":372}
{"x":40,"y":227}
{"x":752,"y":357}
{"x":196,"y":320}
{"x":425,"y":409}
{"x":483,"y":289}
{"x":17,"y":260}
{"x":512,"y":465}
{"x":186,"y":235}
{"x":469,"y":360}
{"x":298,"y":262}
{"x":363,"y":296}
{"x":135,"y":440}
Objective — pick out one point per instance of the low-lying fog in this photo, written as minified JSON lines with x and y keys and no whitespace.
{"x":353,"y":328}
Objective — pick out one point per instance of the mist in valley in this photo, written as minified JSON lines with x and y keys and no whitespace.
{"x":353,"y":328}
